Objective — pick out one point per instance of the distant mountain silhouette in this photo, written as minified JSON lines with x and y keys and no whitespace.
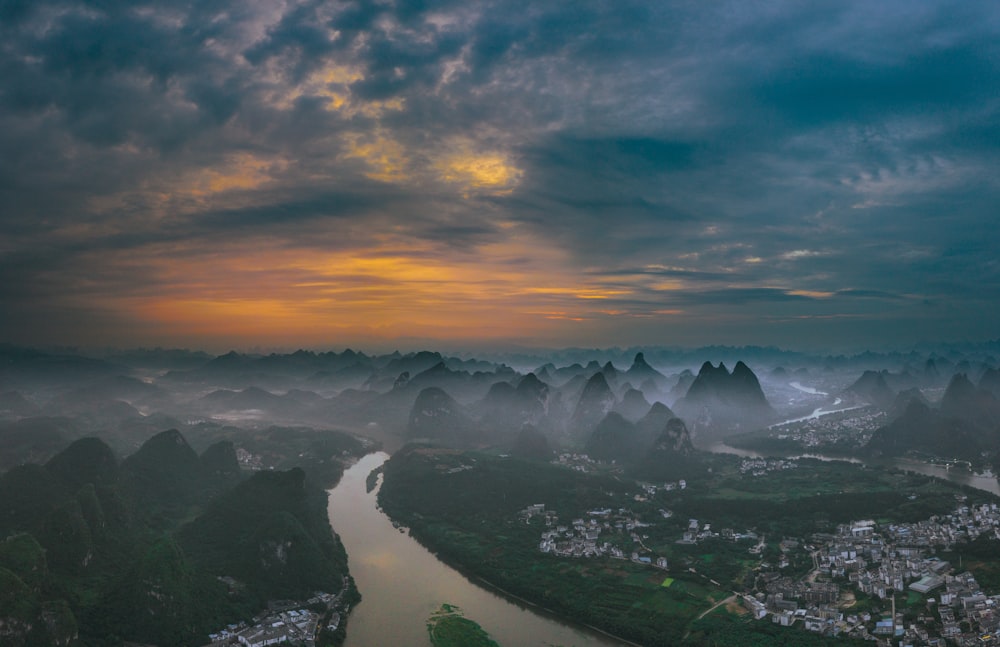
{"x":923,"y":429}
{"x":641,"y":372}
{"x":437,"y":416}
{"x":683,"y":385}
{"x":255,"y":398}
{"x":990,"y":381}
{"x":965,"y":425}
{"x":872,"y":388}
{"x":671,"y":457}
{"x":657,"y":444}
{"x":964,"y":400}
{"x":633,"y":405}
{"x":614,"y":439}
{"x":903,"y":400}
{"x":611,"y":375}
{"x":719,"y":401}
{"x":653,"y":423}
{"x":506,"y":409}
{"x":595,"y":402}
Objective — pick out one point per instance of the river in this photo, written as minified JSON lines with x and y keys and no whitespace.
{"x":402,"y":583}
{"x":955,"y":474}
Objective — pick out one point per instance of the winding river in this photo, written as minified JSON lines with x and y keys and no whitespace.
{"x":402,"y":583}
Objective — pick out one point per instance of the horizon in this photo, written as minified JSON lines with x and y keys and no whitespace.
{"x":247,"y":175}
{"x":506,"y":353}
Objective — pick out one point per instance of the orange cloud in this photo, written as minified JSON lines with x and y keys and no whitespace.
{"x":385,"y":158}
{"x":491,"y":172}
{"x":261,"y":292}
{"x":237,"y":172}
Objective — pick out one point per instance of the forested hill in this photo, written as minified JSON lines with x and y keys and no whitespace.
{"x":161,"y":548}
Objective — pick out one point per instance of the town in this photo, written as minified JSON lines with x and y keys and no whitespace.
{"x":289,"y":622}
{"x":859,"y":560}
{"x":837,"y":432}
{"x":862,"y":559}
{"x":580,"y":539}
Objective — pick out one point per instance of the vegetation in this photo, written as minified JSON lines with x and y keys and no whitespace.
{"x":731,"y":631}
{"x":465,"y":505}
{"x":448,"y":628}
{"x":160,"y":549}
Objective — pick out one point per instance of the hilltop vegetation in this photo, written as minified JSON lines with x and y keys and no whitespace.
{"x":161,"y":548}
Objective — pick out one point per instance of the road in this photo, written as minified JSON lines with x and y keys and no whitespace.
{"x":731,"y":598}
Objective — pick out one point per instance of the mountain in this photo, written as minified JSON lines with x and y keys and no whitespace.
{"x":990,"y":381}
{"x":611,"y":375}
{"x":413,"y":363}
{"x":675,"y":440}
{"x":720,"y":401}
{"x":658,"y":441}
{"x":88,"y":460}
{"x":633,"y":405}
{"x":110,"y":389}
{"x":923,"y":429}
{"x":595,"y":402}
{"x":717,"y":386}
{"x":671,"y":457}
{"x":903,"y":400}
{"x":459,"y":383}
{"x":256,"y":399}
{"x":437,"y":416}
{"x":962,"y":399}
{"x":164,"y":476}
{"x":506,"y":408}
{"x":745,"y":388}
{"x":614,"y":439}
{"x":966,"y":425}
{"x":219,"y":466}
{"x":92,"y":551}
{"x":270,"y":533}
{"x":653,"y":423}
{"x":641,"y":372}
{"x":684,"y":381}
{"x":161,"y":599}
{"x":872,"y":388}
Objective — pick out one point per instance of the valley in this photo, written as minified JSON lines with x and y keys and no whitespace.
{"x":586,"y":489}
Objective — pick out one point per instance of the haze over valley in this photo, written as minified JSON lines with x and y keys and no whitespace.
{"x":435,"y":323}
{"x":171,"y":470}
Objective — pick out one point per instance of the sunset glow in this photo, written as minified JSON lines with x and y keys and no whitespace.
{"x":323,"y":173}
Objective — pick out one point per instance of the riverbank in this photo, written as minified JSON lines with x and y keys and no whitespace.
{"x":386,"y":563}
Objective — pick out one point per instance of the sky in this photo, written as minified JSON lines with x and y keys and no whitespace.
{"x":238,"y":173}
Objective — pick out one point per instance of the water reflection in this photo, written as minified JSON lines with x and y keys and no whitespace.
{"x":402,"y":583}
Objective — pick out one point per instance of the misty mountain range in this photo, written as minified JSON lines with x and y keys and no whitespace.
{"x":192,"y":427}
{"x":48,"y":399}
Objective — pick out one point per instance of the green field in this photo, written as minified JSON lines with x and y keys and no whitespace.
{"x":469,"y":517}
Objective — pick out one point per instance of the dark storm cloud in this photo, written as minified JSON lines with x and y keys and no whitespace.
{"x":753,"y":154}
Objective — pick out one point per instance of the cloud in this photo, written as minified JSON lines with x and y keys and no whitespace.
{"x":791,"y":162}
